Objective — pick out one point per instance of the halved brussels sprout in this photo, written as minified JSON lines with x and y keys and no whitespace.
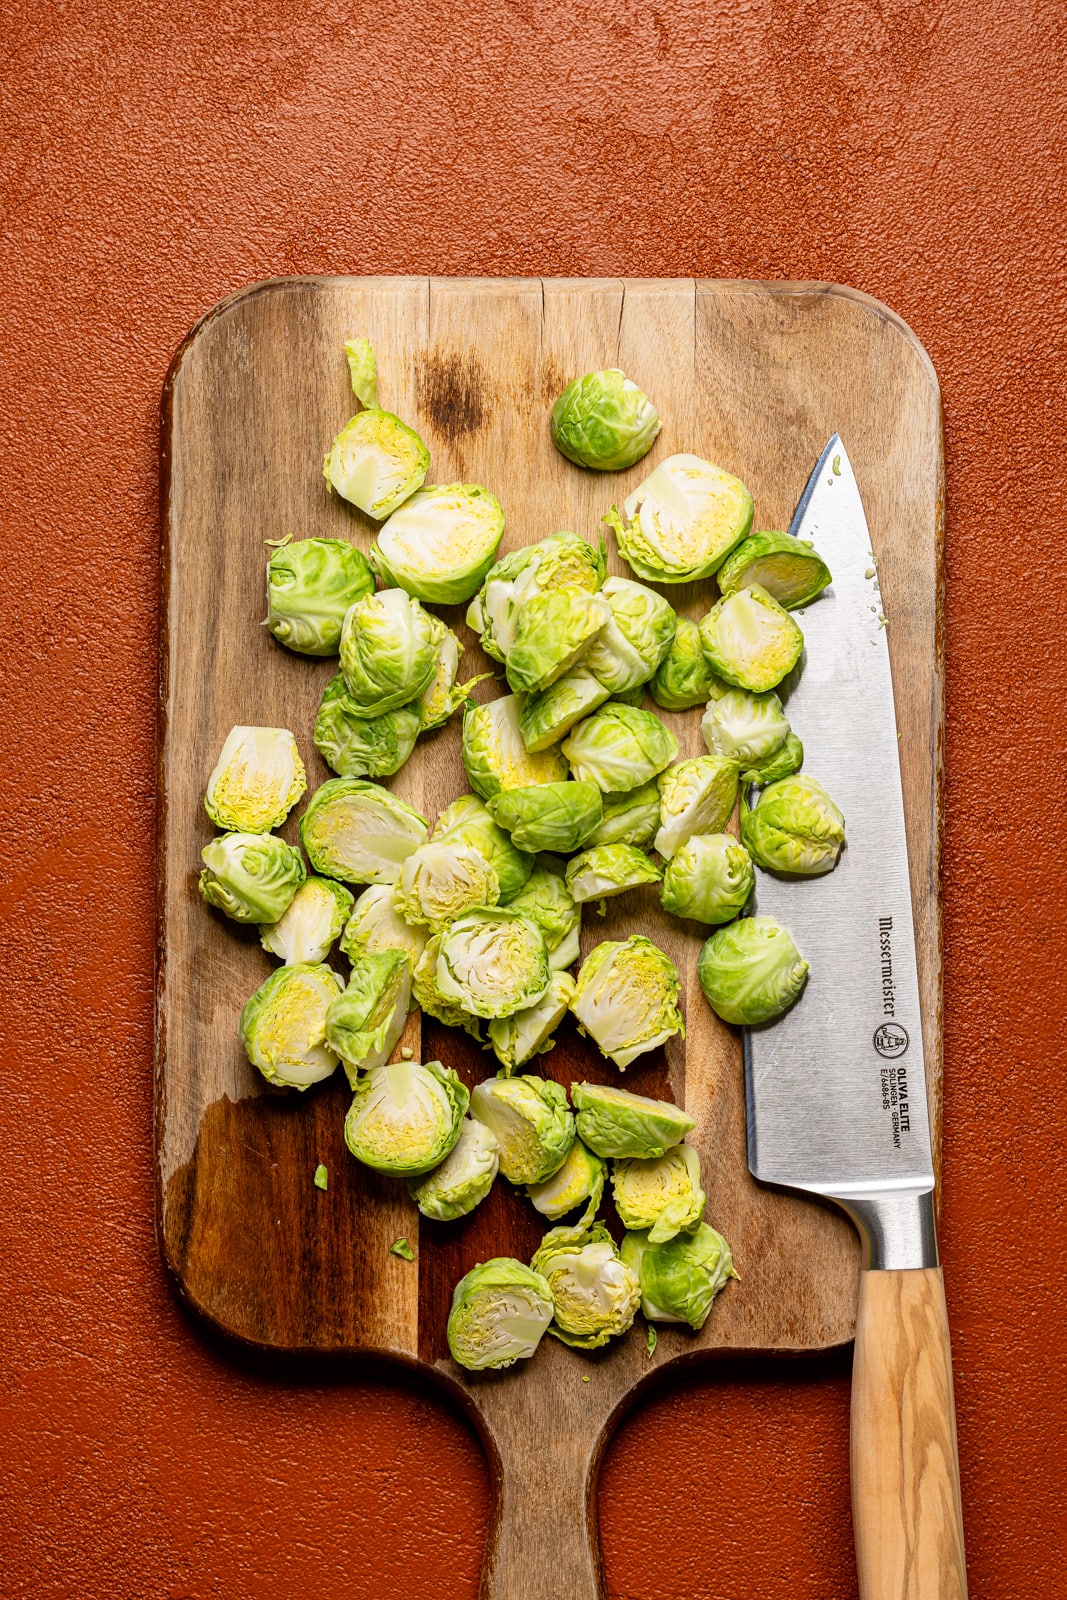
{"x":499,"y":1312}
{"x":787,"y":568}
{"x":528,"y":1033}
{"x":629,"y":818}
{"x":388,"y":651}
{"x":595,"y":1294}
{"x":684,"y":520}
{"x":662,"y":1194}
{"x":251,"y":876}
{"x":468,"y":821}
{"x":311,"y":583}
{"x":441,"y":543}
{"x":444,"y":695}
{"x":683,"y":677}
{"x":376,"y":924}
{"x":579,"y":1181}
{"x":614,"y":1122}
{"x":695,"y":796}
{"x":309,"y":924}
{"x":359,"y":832}
{"x":748,"y":728}
{"x":607,"y":870}
{"x":635,"y":637}
{"x":751,"y":971}
{"x":782,"y":763}
{"x":495,"y":753}
{"x":439,"y":881}
{"x":561,"y":561}
{"x":546,"y":898}
{"x":619,"y":747}
{"x":365,"y":1022}
{"x":492,"y":962}
{"x":547,"y":716}
{"x":283,"y":1026}
{"x":257,"y":780}
{"x":430,"y":998}
{"x":709,"y":879}
{"x":533,"y":1123}
{"x":794,"y":827}
{"x":406,"y":1117}
{"x":549,"y":816}
{"x":552,"y":629}
{"x":376,"y":461}
{"x":464,"y":1177}
{"x":750,"y":640}
{"x":681,"y":1277}
{"x":357,"y":746}
{"x":627,"y":1000}
{"x":604,"y":421}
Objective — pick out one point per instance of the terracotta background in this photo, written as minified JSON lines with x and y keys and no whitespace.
{"x":154,"y":157}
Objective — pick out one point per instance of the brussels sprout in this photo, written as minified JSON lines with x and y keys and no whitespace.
{"x":376,"y":461}
{"x":359,"y":832}
{"x":627,"y":1000}
{"x":495,"y":754}
{"x":614,"y":1122}
{"x":709,"y":879}
{"x":549,"y":816}
{"x":794,"y":827}
{"x":445,"y":695}
{"x":499,"y":1312}
{"x":683,"y":521}
{"x":751,"y":971}
{"x":629,"y":818}
{"x":310,"y":585}
{"x":579,"y":1181}
{"x":309,"y":924}
{"x":440,"y":881}
{"x":432,"y":1001}
{"x":548,"y":715}
{"x":257,"y":780}
{"x":406,"y":1117}
{"x":607,"y":870}
{"x":603,"y":420}
{"x":357,"y":746}
{"x":552,"y":629}
{"x":283,"y":1026}
{"x":750,"y":640}
{"x":662,"y":1194}
{"x":468,"y":821}
{"x":440,"y":545}
{"x":683,"y":677}
{"x":562,"y":561}
{"x":365,"y":1022}
{"x":492,"y":962}
{"x":363,"y":371}
{"x":681,"y":1277}
{"x":464,"y":1177}
{"x":619,"y":747}
{"x":789,"y":570}
{"x":748,"y":728}
{"x":695,"y":796}
{"x":533,"y":1124}
{"x":376,"y":924}
{"x":595,"y":1294}
{"x":528,"y":1033}
{"x":634,"y":639}
{"x":251,"y":876}
{"x":388,"y":651}
{"x":546,"y":898}
{"x":784,"y":761}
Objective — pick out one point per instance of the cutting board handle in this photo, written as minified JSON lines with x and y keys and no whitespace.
{"x":905,"y":1469}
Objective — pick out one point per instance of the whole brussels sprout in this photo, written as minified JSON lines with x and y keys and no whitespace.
{"x":750,"y":640}
{"x":406,"y":1117}
{"x":366,"y":1020}
{"x":695,"y":796}
{"x":635,"y":637}
{"x":499,"y":1312}
{"x":747,"y":728}
{"x":548,"y":816}
{"x":562,"y":561}
{"x":439,"y":881}
{"x":468,"y":821}
{"x":432,"y":1001}
{"x":784,"y":761}
{"x":309,"y":924}
{"x":794,"y":827}
{"x":533,"y":1124}
{"x":388,"y":651}
{"x":376,"y":924}
{"x":630,"y":818}
{"x":683,"y":678}
{"x":283,"y":1025}
{"x":251,"y":876}
{"x":604,"y":421}
{"x":709,"y":879}
{"x":595,"y":1294}
{"x":552,"y":629}
{"x":440,"y":544}
{"x":546,"y":898}
{"x":359,"y":832}
{"x":311,"y":584}
{"x":619,"y":747}
{"x":525,"y":1034}
{"x":609,"y":869}
{"x":786,"y":567}
{"x":495,"y":753}
{"x":579,"y":1181}
{"x":492,"y":962}
{"x":614,"y":1122}
{"x":376,"y":461}
{"x":257,"y":780}
{"x":662,"y":1194}
{"x":464,"y":1177}
{"x":356,"y":746}
{"x":682,"y":521}
{"x":751,"y":971}
{"x":551,"y":713}
{"x":681,"y":1277}
{"x":627,"y":1000}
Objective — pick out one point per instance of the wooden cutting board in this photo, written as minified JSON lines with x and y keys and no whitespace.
{"x":753,"y":376}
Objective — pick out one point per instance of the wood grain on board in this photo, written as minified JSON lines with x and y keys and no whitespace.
{"x":753,"y":376}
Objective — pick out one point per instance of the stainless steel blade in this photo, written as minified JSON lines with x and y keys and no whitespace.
{"x":836,"y":1088}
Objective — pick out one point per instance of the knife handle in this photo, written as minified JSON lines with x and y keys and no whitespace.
{"x":905,"y":1469}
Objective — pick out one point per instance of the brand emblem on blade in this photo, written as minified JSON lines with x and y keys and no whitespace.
{"x":891,"y":1040}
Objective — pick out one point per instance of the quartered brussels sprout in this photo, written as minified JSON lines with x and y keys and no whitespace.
{"x":562,"y":561}
{"x":629,"y":818}
{"x":495,"y":753}
{"x":376,"y":924}
{"x":309,"y":924}
{"x":682,"y":521}
{"x":578,"y":1182}
{"x":376,"y":461}
{"x":750,"y":640}
{"x":499,"y":1312}
{"x":359,"y":832}
{"x":695,"y":796}
{"x":594,"y":1292}
{"x":445,"y":695}
{"x":549,"y":816}
{"x":794,"y":827}
{"x":635,"y":637}
{"x":546,"y":898}
{"x":604,"y":421}
{"x":283,"y":1026}
{"x":751,"y":971}
{"x":439,"y":881}
{"x":388,"y":651}
{"x":257,"y":780}
{"x":552,"y":629}
{"x":492,"y":962}
{"x":662,"y":1195}
{"x":710,"y":879}
{"x":748,"y":728}
{"x":533,"y":1124}
{"x":311,"y":583}
{"x":786,"y":567}
{"x":464,"y":1177}
{"x":614,"y":1122}
{"x":681,"y":1277}
{"x":607,"y":870}
{"x":365,"y":1022}
{"x":406,"y":1117}
{"x":468,"y":821}
{"x":782,"y":763}
{"x":619,"y":747}
{"x":627,"y":1000}
{"x":251,"y":876}
{"x":432,"y":1001}
{"x":441,"y":543}
{"x":528,"y":1033}
{"x":357,"y":746}
{"x":683,"y":677}
{"x":551,"y":713}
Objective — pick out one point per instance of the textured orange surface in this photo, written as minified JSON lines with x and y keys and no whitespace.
{"x":156,"y":156}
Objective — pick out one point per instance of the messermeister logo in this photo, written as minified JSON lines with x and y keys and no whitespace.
{"x":891,"y":1040}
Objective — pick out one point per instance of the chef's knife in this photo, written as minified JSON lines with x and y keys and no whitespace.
{"x":836,"y":1090}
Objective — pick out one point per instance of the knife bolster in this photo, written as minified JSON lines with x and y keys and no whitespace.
{"x":896,"y":1228}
